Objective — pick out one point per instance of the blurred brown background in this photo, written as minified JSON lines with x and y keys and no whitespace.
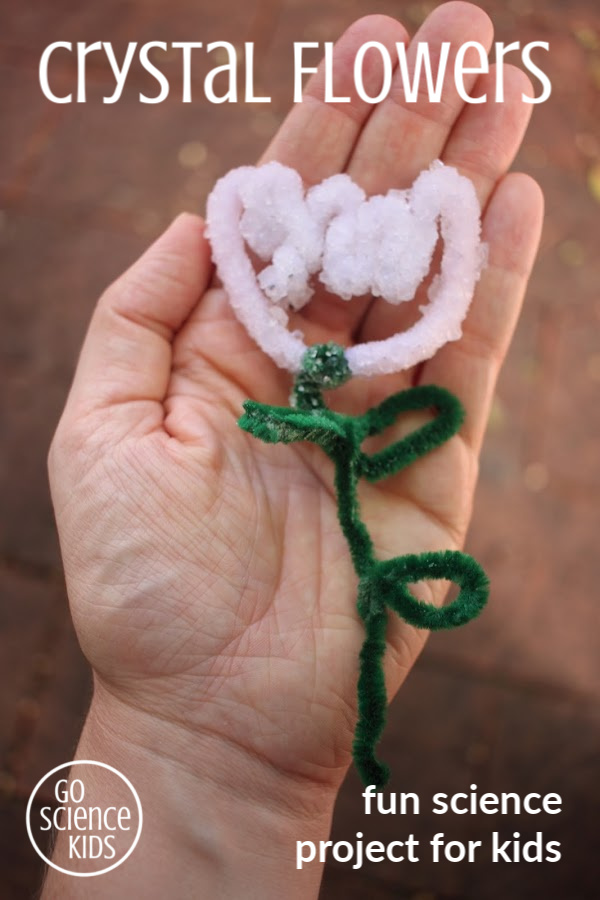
{"x":509,"y":703}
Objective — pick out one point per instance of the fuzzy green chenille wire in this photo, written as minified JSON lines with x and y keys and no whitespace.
{"x":383,"y":585}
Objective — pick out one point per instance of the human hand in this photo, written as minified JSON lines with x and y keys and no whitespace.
{"x":210,"y":586}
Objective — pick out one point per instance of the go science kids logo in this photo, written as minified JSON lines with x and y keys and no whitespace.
{"x":96,"y":835}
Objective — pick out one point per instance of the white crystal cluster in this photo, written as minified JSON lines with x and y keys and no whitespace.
{"x":353,"y":245}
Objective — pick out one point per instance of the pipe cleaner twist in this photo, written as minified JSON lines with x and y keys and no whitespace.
{"x":383,"y":585}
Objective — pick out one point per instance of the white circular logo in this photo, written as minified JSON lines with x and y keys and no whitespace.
{"x":94,"y":834}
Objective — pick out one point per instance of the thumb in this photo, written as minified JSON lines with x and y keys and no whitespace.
{"x":126,"y":357}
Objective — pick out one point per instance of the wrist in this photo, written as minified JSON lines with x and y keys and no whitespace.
{"x":214,"y":815}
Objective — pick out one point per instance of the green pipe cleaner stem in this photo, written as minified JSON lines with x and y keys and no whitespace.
{"x":383,"y":585}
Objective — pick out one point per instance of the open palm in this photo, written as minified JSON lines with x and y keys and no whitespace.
{"x":210,"y":584}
